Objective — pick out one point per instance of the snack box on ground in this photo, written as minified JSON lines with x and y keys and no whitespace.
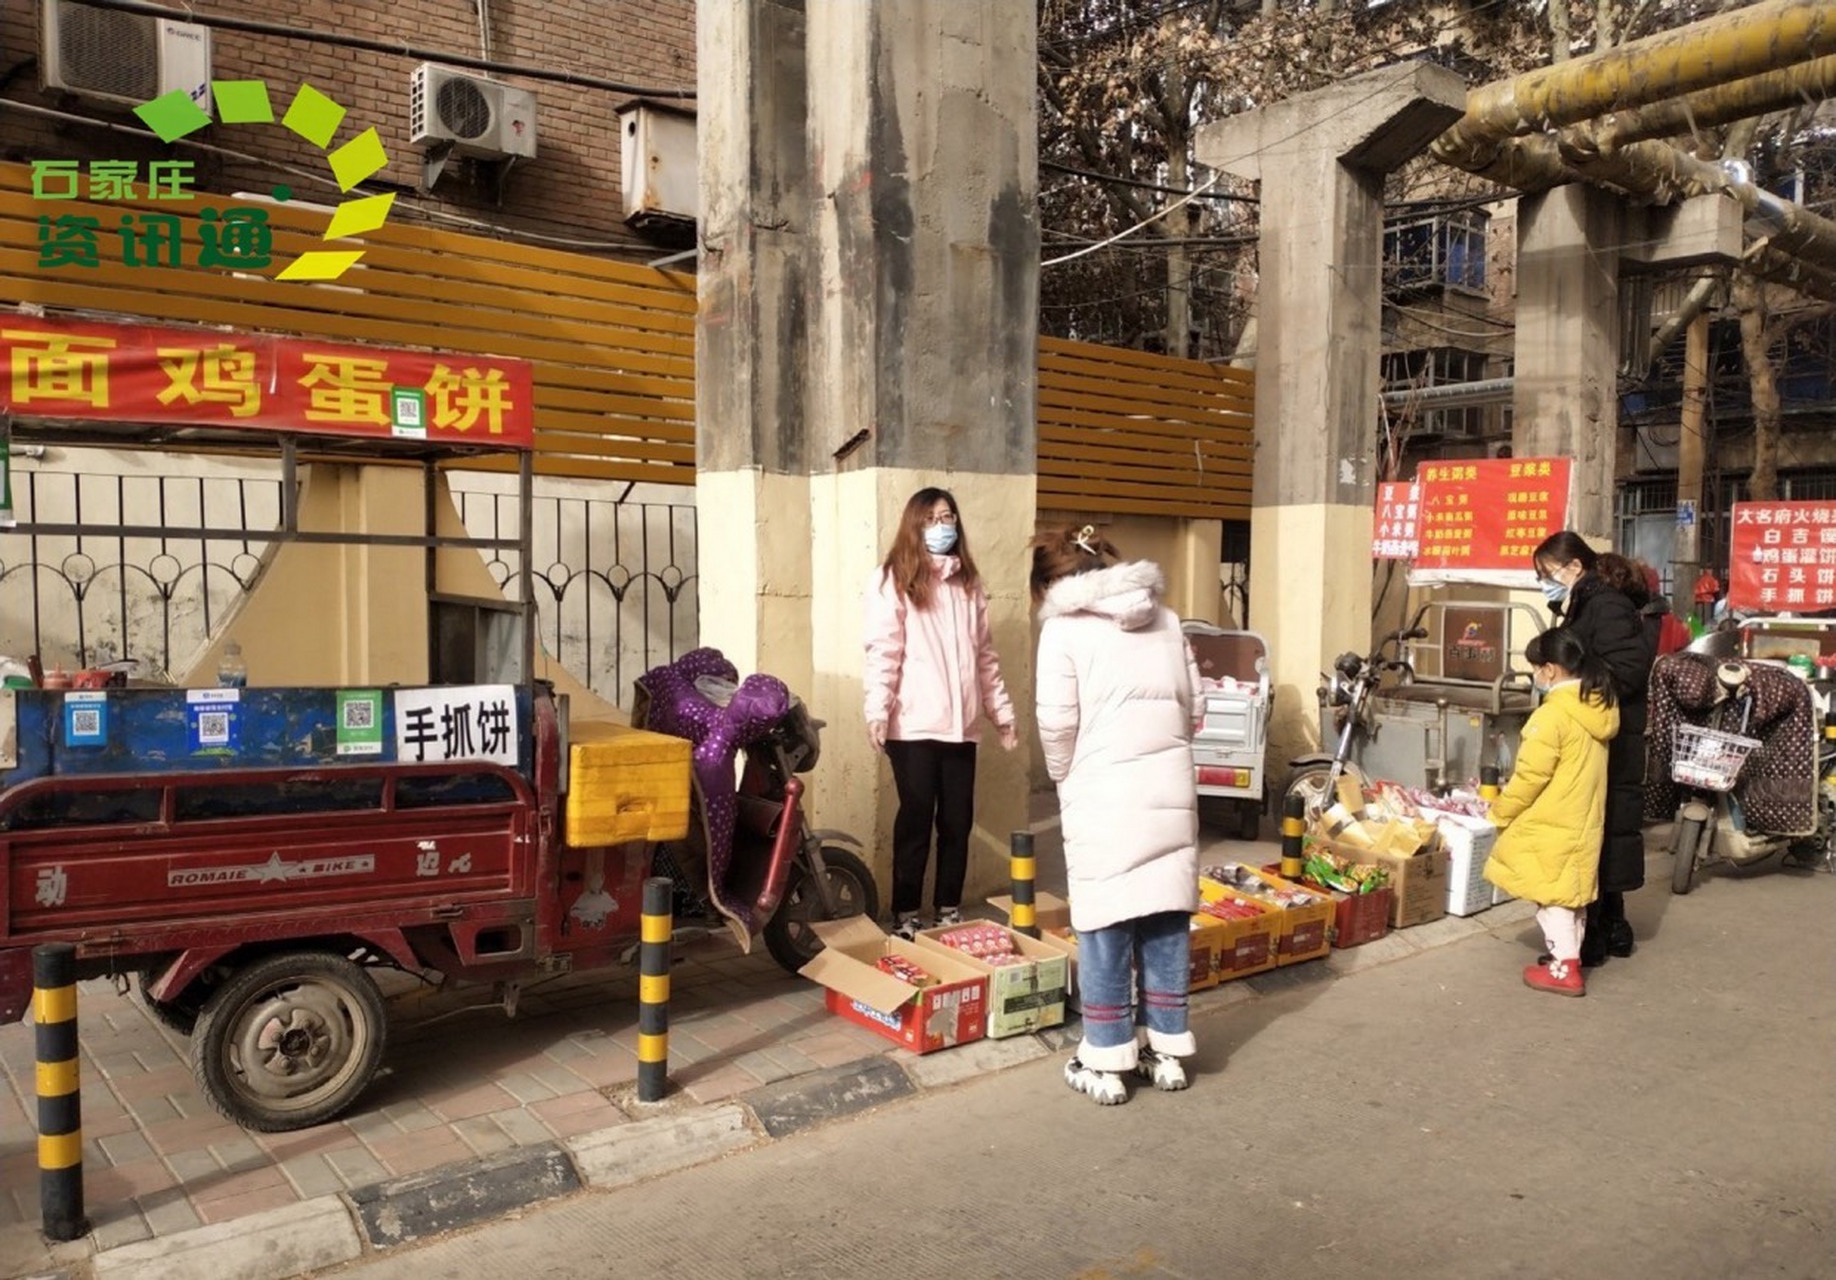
{"x":1360,"y":891}
{"x":1407,"y":846}
{"x":1357,"y":918}
{"x":951,"y":1009}
{"x":1246,"y":939}
{"x":1303,"y":916}
{"x":1026,"y":979}
{"x":1052,"y":914}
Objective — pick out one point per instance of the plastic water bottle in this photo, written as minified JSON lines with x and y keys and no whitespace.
{"x":232,"y":671}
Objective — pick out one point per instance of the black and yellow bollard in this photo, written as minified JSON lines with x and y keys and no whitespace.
{"x":1024,"y":868}
{"x":1488,"y":783}
{"x":1293,"y":835}
{"x":653,"y":990}
{"x":60,"y":1102}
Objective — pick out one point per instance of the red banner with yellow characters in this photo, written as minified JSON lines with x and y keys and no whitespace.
{"x":255,"y":382}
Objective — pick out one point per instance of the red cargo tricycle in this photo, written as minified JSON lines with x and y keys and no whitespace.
{"x":251,"y":905}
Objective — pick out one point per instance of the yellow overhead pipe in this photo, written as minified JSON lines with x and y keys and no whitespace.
{"x":1781,"y":90}
{"x":1731,"y":46}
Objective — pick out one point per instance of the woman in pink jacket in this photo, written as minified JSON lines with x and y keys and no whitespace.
{"x":931,"y":675}
{"x":1116,"y":691}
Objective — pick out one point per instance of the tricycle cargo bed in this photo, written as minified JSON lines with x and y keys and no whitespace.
{"x":136,"y":865}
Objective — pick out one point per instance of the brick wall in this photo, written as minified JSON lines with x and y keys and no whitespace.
{"x":571,"y":189}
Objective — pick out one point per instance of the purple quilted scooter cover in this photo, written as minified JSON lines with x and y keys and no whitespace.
{"x":678,"y":708}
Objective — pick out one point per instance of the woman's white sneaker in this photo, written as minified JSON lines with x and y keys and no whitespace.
{"x":1104,"y":1087}
{"x":1164,"y":1073}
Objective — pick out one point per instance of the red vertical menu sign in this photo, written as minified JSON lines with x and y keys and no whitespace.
{"x":1394,"y":536}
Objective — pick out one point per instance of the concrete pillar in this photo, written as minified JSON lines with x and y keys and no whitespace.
{"x":882,"y":340}
{"x":1566,"y":401}
{"x":1321,"y":158}
{"x":752,"y":476}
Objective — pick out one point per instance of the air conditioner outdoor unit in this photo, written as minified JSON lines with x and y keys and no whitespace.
{"x":481,"y":118}
{"x":115,"y":57}
{"x":662,"y":184}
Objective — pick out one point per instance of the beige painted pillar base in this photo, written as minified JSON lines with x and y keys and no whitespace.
{"x":853,"y":517}
{"x":1310,"y":597}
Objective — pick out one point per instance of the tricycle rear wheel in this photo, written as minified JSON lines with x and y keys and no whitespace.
{"x":289,"y":1041}
{"x":788,"y":935}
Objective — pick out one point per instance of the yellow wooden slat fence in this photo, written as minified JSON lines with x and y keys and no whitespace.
{"x":613,"y":350}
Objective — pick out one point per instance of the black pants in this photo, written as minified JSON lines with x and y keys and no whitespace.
{"x":936,"y":782}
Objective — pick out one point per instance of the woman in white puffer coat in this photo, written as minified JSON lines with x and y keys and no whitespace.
{"x":1116,"y":690}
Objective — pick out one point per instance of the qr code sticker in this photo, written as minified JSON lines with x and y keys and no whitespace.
{"x":85,"y":722}
{"x":360,"y":715}
{"x":213,"y":728}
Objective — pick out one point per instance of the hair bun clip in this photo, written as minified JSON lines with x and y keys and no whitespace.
{"x":1082,"y":540}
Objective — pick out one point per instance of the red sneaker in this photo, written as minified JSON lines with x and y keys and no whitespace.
{"x":1558,"y":977}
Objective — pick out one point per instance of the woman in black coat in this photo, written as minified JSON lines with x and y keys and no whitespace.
{"x":1603,"y":610}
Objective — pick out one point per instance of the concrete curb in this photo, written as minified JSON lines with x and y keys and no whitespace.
{"x":803,"y":1101}
{"x":331,"y":1230}
{"x":263,"y":1246}
{"x":629,"y":1153}
{"x":458,"y":1195}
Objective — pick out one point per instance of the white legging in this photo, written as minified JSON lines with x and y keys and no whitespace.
{"x":1563,"y":928}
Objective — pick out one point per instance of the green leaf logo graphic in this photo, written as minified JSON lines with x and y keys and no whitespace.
{"x":312,"y":116}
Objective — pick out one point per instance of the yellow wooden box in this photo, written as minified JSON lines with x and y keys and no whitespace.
{"x":625,"y":784}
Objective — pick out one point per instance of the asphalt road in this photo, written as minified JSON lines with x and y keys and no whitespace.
{"x":1426,"y":1118}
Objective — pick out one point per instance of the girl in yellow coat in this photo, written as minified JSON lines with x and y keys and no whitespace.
{"x":1552,"y":814}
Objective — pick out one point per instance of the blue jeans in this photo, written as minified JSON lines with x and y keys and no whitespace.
{"x":1159,"y":950}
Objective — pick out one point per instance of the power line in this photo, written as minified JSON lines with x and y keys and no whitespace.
{"x":250,"y":26}
{"x":1119,"y":180}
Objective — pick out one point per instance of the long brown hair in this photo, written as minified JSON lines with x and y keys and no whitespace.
{"x":1062,"y":553}
{"x":908,"y":564}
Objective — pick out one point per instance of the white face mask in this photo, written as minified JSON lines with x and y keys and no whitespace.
{"x":1553,"y":591}
{"x":939,"y":538}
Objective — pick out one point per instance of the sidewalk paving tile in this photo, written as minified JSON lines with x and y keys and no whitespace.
{"x":357,"y":1167}
{"x":126,"y":1181}
{"x":475,"y":1100}
{"x":193,"y":1166}
{"x":483,"y":1135}
{"x":525,"y":1088}
{"x":240,"y":1155}
{"x":169,"y":1212}
{"x":117,"y":1224}
{"x":719,"y":1084}
{"x":233,"y":1207}
{"x":318,"y":1140}
{"x":762,"y":1067}
{"x":407,"y":1153}
{"x":312,"y":1176}
{"x":579,"y":1114}
{"x":523,"y":1127}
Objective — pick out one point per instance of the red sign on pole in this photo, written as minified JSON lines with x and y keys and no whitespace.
{"x":1489,"y":514}
{"x":1783,"y":557}
{"x":1394,"y":536}
{"x":254,"y":382}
